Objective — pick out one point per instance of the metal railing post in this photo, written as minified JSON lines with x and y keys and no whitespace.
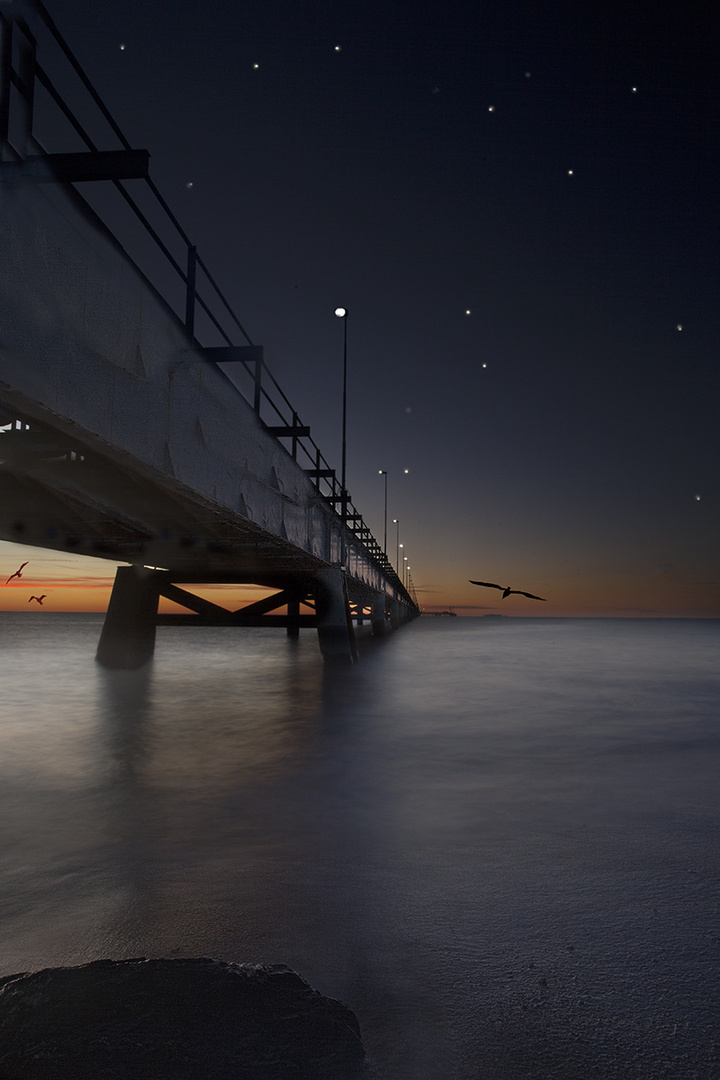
{"x":190,"y":293}
{"x":258,"y":383}
{"x":295,"y":422}
{"x":5,"y":64}
{"x":26,"y":84}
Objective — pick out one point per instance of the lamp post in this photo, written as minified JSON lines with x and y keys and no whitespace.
{"x":341,"y":313}
{"x":383,"y":472}
{"x":396,"y":523}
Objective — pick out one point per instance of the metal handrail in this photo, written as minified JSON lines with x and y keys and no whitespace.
{"x":325,"y":480}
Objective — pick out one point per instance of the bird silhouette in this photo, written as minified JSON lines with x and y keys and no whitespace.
{"x":38,"y":598}
{"x":18,"y":573}
{"x":506,"y":590}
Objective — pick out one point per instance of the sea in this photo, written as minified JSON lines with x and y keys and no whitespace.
{"x":497,"y":839}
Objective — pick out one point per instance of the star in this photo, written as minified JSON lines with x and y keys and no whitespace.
{"x":571,"y":172}
{"x":468,"y":311}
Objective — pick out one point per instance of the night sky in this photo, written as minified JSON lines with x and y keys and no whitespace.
{"x":518,"y":205}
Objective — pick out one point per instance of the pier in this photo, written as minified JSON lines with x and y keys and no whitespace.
{"x":130,"y":430}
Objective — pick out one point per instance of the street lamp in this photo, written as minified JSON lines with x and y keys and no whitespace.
{"x":341,"y":313}
{"x":396,"y":523}
{"x":383,"y":472}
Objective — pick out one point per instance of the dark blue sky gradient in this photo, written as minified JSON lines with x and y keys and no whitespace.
{"x":378,"y":177}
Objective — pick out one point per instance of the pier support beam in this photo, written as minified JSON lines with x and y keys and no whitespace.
{"x":395,"y":614}
{"x":379,"y":623}
{"x":128,"y":634}
{"x":335,"y":631}
{"x":293,"y":610}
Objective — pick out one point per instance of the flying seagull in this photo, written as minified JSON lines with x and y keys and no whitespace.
{"x":38,"y":598}
{"x":18,"y":573}
{"x":506,"y":590}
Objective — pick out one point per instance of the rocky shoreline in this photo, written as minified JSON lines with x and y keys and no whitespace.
{"x":185,"y":1019}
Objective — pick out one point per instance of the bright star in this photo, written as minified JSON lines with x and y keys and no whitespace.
{"x":571,"y":172}
{"x":468,"y":311}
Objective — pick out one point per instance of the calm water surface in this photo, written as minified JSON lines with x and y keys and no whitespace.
{"x":496,"y":840}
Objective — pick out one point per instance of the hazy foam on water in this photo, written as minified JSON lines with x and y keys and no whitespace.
{"x":496,"y":840}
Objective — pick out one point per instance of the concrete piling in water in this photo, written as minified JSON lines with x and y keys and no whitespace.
{"x":379,"y":622}
{"x":128,"y":634}
{"x":335,"y":630}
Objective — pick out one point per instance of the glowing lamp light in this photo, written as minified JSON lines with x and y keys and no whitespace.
{"x":341,"y":312}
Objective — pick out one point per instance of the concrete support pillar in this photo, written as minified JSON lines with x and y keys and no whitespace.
{"x":379,"y":622}
{"x":128,"y":634}
{"x":293,"y":608}
{"x":394,"y":614}
{"x":335,"y":632}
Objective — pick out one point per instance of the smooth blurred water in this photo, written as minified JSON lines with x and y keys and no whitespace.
{"x":495,"y":839}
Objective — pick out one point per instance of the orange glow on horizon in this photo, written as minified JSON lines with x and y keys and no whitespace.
{"x":80,"y":584}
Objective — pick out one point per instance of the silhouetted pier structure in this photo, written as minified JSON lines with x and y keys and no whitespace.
{"x":122,"y":434}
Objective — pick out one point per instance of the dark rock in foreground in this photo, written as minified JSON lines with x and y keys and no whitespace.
{"x":182,"y":1019}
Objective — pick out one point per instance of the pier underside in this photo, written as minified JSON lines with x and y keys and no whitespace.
{"x":128,"y":635}
{"x":70,"y":493}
